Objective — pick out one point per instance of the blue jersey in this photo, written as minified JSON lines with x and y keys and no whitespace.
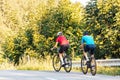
{"x":87,"y":40}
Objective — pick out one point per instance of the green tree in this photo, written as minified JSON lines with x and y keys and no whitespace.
{"x":21,"y":41}
{"x":65,"y":17}
{"x":101,"y":22}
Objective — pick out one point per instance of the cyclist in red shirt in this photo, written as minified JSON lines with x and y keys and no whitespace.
{"x":64,"y":45}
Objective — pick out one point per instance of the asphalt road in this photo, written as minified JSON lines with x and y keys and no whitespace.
{"x":51,"y":75}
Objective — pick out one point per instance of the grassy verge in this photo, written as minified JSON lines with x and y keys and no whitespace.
{"x":114,"y":71}
{"x":46,"y":64}
{"x":7,"y":66}
{"x":35,"y":65}
{"x":109,"y":70}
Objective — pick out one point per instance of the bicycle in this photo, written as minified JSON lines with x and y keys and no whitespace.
{"x":57,"y":65}
{"x":88,"y":64}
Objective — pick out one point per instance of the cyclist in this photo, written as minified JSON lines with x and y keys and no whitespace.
{"x":64,"y":45}
{"x":87,"y":44}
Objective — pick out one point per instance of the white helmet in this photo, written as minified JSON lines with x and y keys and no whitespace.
{"x":59,"y":33}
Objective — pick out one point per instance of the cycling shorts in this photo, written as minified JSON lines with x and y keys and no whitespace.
{"x":63,"y":48}
{"x":89,"y":48}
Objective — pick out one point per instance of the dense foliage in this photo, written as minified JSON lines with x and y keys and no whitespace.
{"x":31,"y":26}
{"x":101,"y":22}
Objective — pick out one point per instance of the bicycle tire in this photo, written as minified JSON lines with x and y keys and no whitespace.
{"x":56,"y":63}
{"x":93,"y":67}
{"x":68,"y":64}
{"x":84,"y":66}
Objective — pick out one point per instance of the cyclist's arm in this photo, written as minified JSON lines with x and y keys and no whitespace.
{"x":55,"y":45}
{"x":82,"y":43}
{"x":81,"y":46}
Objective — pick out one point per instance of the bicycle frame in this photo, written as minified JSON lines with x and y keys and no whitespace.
{"x":67,"y":60}
{"x":88,"y":64}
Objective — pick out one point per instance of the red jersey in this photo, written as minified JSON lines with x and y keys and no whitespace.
{"x":62,"y":40}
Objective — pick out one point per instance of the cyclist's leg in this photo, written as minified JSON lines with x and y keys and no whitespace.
{"x":66,"y":48}
{"x":61,"y":54}
{"x":92,"y":49}
{"x":61,"y":58}
{"x":63,"y":49}
{"x":86,"y":49}
{"x":92,"y":52}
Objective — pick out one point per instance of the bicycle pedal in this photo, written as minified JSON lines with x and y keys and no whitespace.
{"x":63,"y":65}
{"x":66,"y":66}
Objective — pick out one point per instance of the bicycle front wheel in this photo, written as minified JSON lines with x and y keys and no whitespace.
{"x":84,"y":66}
{"x":56,"y":63}
{"x":93,"y":67}
{"x":68,"y":63}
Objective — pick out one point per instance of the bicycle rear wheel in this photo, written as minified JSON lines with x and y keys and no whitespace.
{"x":56,"y":63}
{"x":68,"y":63}
{"x":93,"y":67}
{"x":84,"y":66}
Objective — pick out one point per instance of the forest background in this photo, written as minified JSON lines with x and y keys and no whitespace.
{"x":29,"y":27}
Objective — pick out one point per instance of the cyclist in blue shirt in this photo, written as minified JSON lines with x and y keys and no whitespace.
{"x":87,"y":44}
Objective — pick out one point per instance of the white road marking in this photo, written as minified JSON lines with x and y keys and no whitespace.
{"x":50,"y":78}
{"x":3,"y":78}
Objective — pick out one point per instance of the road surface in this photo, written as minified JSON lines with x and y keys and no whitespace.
{"x":51,"y":75}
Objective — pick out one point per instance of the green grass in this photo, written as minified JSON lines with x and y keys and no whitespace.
{"x":46,"y":64}
{"x":109,"y":70}
{"x":35,"y":65}
{"x":114,"y":71}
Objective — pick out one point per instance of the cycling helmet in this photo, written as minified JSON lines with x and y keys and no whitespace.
{"x":86,"y":33}
{"x":59,"y":33}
